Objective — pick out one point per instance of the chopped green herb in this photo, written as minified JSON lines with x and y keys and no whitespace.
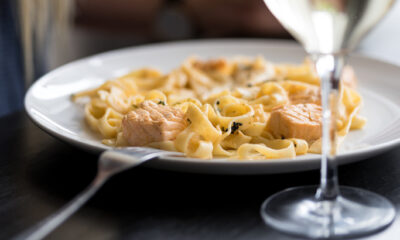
{"x":189,"y":121}
{"x":161,"y":102}
{"x":224,"y":129}
{"x":134,"y":106}
{"x":235,"y":126}
{"x":217,"y":102}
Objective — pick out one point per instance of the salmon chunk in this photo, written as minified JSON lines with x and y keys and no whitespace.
{"x":296,"y":121}
{"x":152,"y":122}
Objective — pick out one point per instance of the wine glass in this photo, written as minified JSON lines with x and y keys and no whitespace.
{"x":328,"y":30}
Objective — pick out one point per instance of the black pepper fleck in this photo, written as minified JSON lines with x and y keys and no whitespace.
{"x":235,"y":126}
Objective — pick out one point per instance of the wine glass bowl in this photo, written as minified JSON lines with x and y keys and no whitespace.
{"x":328,"y":30}
{"x":328,"y":26}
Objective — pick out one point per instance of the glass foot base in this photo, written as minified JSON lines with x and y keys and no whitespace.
{"x":356,"y":212}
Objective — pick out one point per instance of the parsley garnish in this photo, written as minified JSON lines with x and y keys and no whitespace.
{"x":161,"y":102}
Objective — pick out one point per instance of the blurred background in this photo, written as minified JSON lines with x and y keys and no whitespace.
{"x":39,"y":35}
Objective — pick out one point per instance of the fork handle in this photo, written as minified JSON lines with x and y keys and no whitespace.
{"x":106,"y":170}
{"x":47,"y":225}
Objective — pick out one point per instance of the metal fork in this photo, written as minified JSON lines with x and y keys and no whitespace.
{"x":110,"y":163}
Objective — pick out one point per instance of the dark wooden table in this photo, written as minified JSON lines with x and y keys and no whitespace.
{"x":39,"y":174}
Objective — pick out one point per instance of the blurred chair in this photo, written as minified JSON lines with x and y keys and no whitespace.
{"x":11,"y":70}
{"x":32,"y":34}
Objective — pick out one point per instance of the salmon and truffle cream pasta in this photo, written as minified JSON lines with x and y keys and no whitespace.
{"x":243,"y":108}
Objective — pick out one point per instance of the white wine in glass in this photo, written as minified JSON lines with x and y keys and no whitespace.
{"x":328,"y":30}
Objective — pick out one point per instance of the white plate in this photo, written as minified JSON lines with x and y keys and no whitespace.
{"x":48,"y":104}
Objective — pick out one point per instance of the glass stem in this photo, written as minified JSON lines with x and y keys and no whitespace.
{"x":329,"y":68}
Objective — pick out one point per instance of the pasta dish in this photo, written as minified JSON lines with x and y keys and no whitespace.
{"x":242,"y":108}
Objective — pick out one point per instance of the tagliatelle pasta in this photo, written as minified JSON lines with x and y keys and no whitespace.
{"x":227,"y":104}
